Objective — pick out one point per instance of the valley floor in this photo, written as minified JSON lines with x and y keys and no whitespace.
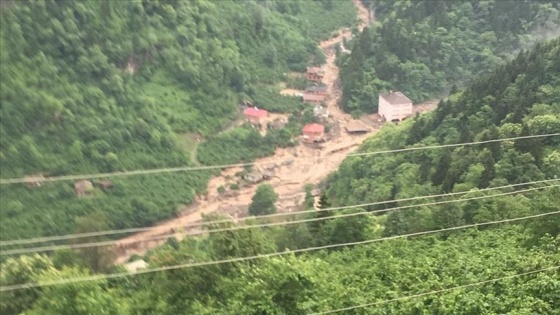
{"x":312,"y":164}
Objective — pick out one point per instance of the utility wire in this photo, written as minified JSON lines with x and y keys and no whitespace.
{"x":203,"y":223}
{"x":437,"y":291}
{"x":208,"y":167}
{"x":244,"y":227}
{"x":248,"y":258}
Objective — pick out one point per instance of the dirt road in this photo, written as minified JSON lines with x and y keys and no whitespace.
{"x":311,"y":165}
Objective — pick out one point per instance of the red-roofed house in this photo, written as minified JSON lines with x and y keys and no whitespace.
{"x":313,"y":98}
{"x":313,"y":132}
{"x":255,"y":115}
{"x":314,"y":74}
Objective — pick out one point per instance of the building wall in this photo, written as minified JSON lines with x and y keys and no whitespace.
{"x":313,"y":136}
{"x":314,"y":77}
{"x":394,"y":112}
{"x":325,"y":93}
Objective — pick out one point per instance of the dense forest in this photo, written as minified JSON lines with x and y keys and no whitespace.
{"x":519,"y":98}
{"x":102,"y":86}
{"x":423,"y":48}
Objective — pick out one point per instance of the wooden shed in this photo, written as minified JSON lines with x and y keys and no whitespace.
{"x":356,"y":127}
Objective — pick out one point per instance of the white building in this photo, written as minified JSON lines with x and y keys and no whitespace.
{"x":136,"y":265}
{"x":394,"y":106}
{"x":320,"y":111}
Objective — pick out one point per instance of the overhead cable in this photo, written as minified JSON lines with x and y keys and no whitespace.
{"x":252,"y":226}
{"x":204,"y":223}
{"x":250,"y":258}
{"x":223,"y":166}
{"x":436,"y":291}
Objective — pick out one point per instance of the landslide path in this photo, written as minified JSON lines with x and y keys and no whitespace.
{"x":310,"y":165}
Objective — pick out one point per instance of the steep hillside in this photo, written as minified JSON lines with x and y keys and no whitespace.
{"x":102,"y":86}
{"x":495,"y":268}
{"x":424,"y":47}
{"x":519,"y":99}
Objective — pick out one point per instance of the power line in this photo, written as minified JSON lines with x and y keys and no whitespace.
{"x":247,"y":258}
{"x":197,"y":224}
{"x":436,"y":291}
{"x":244,"y":227}
{"x":209,"y":167}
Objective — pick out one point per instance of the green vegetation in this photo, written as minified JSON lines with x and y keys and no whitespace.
{"x":519,"y":98}
{"x":424,"y":47}
{"x":101,"y":86}
{"x":263,"y":201}
{"x":271,"y":100}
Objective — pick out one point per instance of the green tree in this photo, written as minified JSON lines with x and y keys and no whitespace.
{"x":80,"y":298}
{"x":353,"y":228}
{"x":263,"y":201}
{"x":309,"y":199}
{"x":21,"y":270}
{"x":97,"y":258}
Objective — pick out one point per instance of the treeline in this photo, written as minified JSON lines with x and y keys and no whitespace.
{"x":520,"y":98}
{"x":423,"y":48}
{"x":102,"y":86}
{"x":308,"y":282}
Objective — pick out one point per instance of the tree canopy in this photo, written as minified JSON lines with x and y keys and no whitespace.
{"x":263,"y":201}
{"x":103,"y":86}
{"x":423,"y":48}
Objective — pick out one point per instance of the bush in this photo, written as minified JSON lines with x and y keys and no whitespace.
{"x":221,"y":190}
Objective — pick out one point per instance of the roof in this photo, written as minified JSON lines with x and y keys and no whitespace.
{"x":396,"y":98}
{"x":313,"y":70}
{"x":313,"y":97}
{"x":356,"y":126}
{"x":314,"y":128}
{"x":135,"y":265}
{"x":317,"y":88}
{"x":255,"y":112}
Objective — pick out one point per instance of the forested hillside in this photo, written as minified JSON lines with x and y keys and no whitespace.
{"x":519,"y":98}
{"x":102,"y":86}
{"x":424,"y":47}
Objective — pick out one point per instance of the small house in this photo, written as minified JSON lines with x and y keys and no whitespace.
{"x":317,"y":89}
{"x":394,"y":106}
{"x":314,"y":74}
{"x":313,"y":133}
{"x":356,"y":127}
{"x":254,"y":115}
{"x":320,"y":111}
{"x":34,"y":180}
{"x":313,"y":98}
{"x":83,"y":187}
